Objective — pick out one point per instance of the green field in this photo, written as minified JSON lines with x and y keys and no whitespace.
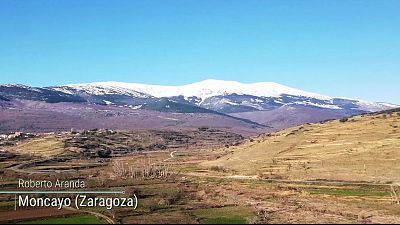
{"x":225,"y":220}
{"x":224,"y":215}
{"x":66,"y":220}
{"x":348,"y":192}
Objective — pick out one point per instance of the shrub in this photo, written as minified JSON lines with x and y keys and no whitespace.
{"x":172,"y":198}
{"x":343,"y":120}
{"x":218,"y":168}
{"x":104,"y":153}
{"x":131,"y":192}
{"x":203,"y":128}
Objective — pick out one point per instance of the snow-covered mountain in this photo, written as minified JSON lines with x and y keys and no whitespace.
{"x":224,"y":96}
{"x":202,"y":90}
{"x":244,"y":108}
{"x":216,"y":95}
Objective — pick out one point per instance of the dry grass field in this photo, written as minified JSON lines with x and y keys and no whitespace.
{"x":46,"y":146}
{"x":361,"y":148}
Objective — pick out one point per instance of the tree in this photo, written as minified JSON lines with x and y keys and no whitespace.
{"x":104,"y":153}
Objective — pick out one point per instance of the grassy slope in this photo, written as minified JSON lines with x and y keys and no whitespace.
{"x":365,"y":148}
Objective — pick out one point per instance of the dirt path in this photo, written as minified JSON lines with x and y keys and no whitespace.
{"x":19,"y":168}
{"x":319,"y":182}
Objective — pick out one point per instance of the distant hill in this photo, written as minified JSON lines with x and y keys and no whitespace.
{"x":3,"y":99}
{"x":16,"y":91}
{"x":35,"y":116}
{"x":359,"y":148}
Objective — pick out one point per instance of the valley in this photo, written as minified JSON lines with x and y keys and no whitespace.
{"x":340,"y":171}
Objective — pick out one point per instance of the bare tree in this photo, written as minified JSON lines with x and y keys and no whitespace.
{"x":394,"y":195}
{"x":147,"y":170}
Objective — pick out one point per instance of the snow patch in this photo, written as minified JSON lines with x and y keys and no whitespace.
{"x":108,"y":102}
{"x":325,"y":106}
{"x":137,"y":107}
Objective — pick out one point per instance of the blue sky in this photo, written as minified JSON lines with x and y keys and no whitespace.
{"x":338,"y":48}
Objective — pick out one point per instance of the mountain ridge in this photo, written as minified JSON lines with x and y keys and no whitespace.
{"x":233,"y":107}
{"x":206,"y":88}
{"x":230,"y":96}
{"x":216,"y":95}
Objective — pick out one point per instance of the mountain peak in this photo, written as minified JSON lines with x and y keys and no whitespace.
{"x":232,"y":82}
{"x":205,"y":89}
{"x":216,"y":81}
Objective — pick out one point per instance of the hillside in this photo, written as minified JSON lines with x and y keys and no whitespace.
{"x":33,"y":116}
{"x":120,"y":143}
{"x":361,"y":148}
